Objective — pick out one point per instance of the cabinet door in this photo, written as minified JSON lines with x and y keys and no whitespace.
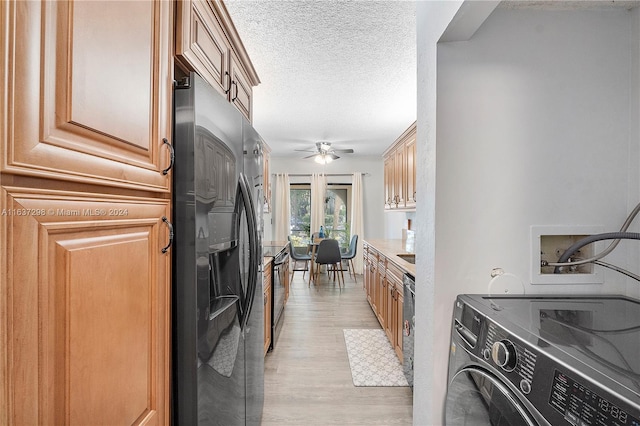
{"x":389,"y":314}
{"x":367,"y":279}
{"x":201,"y":44}
{"x":88,"y":89}
{"x":381,"y":302}
{"x":86,"y":319}
{"x":241,"y":91}
{"x":375,"y":286}
{"x":389,"y":188}
{"x":410,"y":152}
{"x":398,"y":323}
{"x":399,"y":177}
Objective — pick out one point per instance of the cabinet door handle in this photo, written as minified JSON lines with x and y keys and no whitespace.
{"x":172,"y":156}
{"x":166,"y":248}
{"x":233,"y":83}
{"x":226,"y":73}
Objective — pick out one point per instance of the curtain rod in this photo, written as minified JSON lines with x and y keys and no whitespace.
{"x":325,"y":174}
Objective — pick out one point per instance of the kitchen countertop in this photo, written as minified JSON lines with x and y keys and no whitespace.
{"x":390,"y":248}
{"x":271,"y":248}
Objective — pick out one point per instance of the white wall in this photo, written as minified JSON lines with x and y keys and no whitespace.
{"x":534,"y":123}
{"x":432,"y":19}
{"x":372,"y":185}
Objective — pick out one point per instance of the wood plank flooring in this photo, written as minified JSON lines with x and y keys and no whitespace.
{"x":307,"y":375}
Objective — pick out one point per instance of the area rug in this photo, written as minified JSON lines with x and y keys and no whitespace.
{"x":372,"y":360}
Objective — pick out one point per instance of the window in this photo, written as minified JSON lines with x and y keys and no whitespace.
{"x":300,"y":196}
{"x":337,"y":213}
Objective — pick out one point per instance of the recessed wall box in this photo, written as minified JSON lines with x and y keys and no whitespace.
{"x":549,"y":242}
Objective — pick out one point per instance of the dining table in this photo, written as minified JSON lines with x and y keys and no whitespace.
{"x":313,"y":245}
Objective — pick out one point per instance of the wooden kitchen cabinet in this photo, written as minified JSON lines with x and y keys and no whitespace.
{"x":89,"y":92}
{"x":400,"y":172}
{"x":410,"y":159}
{"x":398,"y":321}
{"x":86,"y":308}
{"x":266,"y":285}
{"x":394,"y":314}
{"x":84,"y":282}
{"x":208,"y":43}
{"x":385,"y":293}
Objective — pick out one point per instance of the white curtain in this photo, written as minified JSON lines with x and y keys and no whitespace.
{"x":357,"y":218}
{"x":318,"y":191}
{"x":282,"y":207}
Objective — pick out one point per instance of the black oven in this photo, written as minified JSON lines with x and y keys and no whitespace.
{"x":278,"y":292}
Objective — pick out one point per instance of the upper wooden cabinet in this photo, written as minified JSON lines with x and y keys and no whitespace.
{"x":400,"y":172}
{"x":207,"y":42}
{"x":88,"y":91}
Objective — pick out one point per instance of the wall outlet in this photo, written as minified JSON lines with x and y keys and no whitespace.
{"x":549,"y":242}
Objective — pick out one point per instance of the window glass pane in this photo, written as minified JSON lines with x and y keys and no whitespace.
{"x":336,"y":217}
{"x":300,"y":213}
{"x":337,"y":213}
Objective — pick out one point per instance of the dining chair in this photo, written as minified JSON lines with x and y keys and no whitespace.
{"x":350,"y":255}
{"x":328,"y":253}
{"x":298,"y":257}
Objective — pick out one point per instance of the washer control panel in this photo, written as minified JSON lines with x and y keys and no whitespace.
{"x":510,"y":356}
{"x":581,"y":405}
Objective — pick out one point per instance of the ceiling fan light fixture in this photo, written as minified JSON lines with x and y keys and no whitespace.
{"x":323,"y":159}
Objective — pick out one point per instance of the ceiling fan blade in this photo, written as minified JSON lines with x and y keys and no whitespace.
{"x":309,"y":156}
{"x":333,"y":156}
{"x":305,"y":150}
{"x":344,"y":151}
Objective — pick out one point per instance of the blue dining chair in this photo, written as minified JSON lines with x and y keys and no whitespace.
{"x":350,"y":255}
{"x":298,"y":257}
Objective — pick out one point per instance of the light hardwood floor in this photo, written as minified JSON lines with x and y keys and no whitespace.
{"x":307,"y":375}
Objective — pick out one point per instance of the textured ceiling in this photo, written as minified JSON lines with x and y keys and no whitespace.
{"x":336,"y":71}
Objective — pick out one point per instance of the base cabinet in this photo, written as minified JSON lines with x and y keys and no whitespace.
{"x":84,"y":336}
{"x":385,"y":293}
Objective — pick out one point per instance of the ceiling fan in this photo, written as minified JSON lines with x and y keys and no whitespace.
{"x":324,"y":153}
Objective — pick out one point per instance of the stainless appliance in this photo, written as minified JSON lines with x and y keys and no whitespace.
{"x":217,"y":311}
{"x":409,"y":325}
{"x":278,"y":280}
{"x":544,"y":360}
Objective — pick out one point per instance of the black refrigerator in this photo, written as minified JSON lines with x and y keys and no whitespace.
{"x":217,"y":306}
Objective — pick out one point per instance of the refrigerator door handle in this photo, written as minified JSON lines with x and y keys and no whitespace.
{"x":253,"y":247}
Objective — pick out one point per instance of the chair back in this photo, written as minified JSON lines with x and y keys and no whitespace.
{"x":328,"y":252}
{"x":295,"y":255}
{"x":353,"y":246}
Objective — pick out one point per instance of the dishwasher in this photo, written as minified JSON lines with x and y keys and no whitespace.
{"x":409,"y":323}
